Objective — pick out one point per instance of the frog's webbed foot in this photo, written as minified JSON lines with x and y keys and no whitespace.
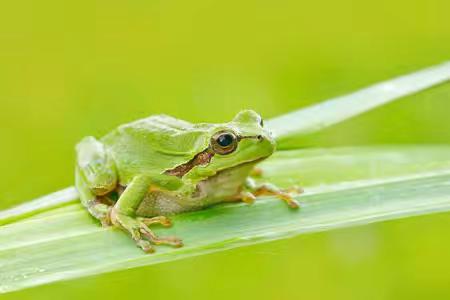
{"x":100,"y":210}
{"x":268,"y":189}
{"x":285,"y":195}
{"x":141,"y":233}
{"x":164,"y":221}
{"x":247,"y":197}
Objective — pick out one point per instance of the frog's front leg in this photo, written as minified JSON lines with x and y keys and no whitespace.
{"x":94,"y":204}
{"x":95,"y":177}
{"x":252,"y":189}
{"x":123,"y":215}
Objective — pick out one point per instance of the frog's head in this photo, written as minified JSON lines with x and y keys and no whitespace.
{"x":241,"y":141}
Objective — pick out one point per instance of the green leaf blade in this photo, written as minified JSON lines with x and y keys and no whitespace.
{"x":382,"y":183}
{"x":285,"y":127}
{"x":320,"y":116}
{"x":42,"y":204}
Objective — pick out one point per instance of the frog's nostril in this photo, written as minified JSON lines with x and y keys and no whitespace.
{"x":259,"y":137}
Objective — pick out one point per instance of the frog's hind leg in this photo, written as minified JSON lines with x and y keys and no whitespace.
{"x":95,"y":177}
{"x":254,"y":189}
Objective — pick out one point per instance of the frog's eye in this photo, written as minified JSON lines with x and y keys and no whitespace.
{"x":261,"y":123}
{"x":224,"y":142}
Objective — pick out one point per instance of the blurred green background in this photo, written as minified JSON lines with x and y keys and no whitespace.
{"x":75,"y":68}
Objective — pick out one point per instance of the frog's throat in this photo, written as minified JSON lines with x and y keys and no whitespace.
{"x":200,"y":159}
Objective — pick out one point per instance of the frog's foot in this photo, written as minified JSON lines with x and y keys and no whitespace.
{"x":141,"y":234}
{"x":246,"y":197}
{"x":285,"y":195}
{"x":100,"y":211}
{"x":164,"y":221}
{"x":295,"y":190}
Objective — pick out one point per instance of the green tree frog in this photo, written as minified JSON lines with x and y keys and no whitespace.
{"x":146,"y":170}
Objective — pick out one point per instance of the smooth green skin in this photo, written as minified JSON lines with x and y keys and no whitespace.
{"x":135,"y":157}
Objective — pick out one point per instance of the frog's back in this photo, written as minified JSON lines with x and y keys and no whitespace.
{"x":163,"y":125}
{"x":154,"y":144}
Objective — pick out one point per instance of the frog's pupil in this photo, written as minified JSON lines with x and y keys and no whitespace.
{"x":225,"y":140}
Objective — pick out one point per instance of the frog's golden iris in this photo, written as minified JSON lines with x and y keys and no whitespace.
{"x":224,"y":142}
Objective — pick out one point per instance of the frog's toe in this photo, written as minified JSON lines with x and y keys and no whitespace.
{"x":141,"y":242}
{"x":169,"y":240}
{"x":290,"y":201}
{"x":164,"y":221}
{"x":145,"y":245}
{"x":285,"y":195}
{"x":297,"y":190}
{"x":247,"y":197}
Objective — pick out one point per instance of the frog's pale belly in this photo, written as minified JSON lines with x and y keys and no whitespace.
{"x":222,"y":187}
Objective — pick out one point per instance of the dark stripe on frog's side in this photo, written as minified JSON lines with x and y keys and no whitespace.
{"x":199,"y":159}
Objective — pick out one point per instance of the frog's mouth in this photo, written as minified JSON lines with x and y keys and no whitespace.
{"x":250,"y":162}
